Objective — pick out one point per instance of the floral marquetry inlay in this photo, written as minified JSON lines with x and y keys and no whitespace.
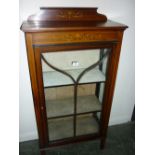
{"x":67,"y":14}
{"x":73,"y":37}
{"x":70,"y":14}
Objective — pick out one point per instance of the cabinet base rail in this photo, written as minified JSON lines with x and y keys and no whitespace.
{"x":71,"y":140}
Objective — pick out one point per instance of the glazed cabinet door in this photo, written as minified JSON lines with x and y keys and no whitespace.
{"x":71,"y":87}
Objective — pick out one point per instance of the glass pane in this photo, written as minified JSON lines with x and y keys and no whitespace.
{"x":60,"y":128}
{"x":103,"y":68}
{"x":59,"y":101}
{"x":86,"y":124}
{"x":86,"y":100}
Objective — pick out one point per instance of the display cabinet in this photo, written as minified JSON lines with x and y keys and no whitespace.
{"x":73,"y":56}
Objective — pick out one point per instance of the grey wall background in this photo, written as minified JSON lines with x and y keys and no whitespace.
{"x":124,"y":96}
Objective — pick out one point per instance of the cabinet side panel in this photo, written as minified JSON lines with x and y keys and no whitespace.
{"x":37,"y":56}
{"x":109,"y":87}
{"x":32,"y":70}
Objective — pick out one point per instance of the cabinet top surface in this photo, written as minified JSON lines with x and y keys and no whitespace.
{"x":64,"y":19}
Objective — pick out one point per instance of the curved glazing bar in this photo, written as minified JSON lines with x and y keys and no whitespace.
{"x":92,"y":66}
{"x":75,"y":81}
{"x":57,"y":69}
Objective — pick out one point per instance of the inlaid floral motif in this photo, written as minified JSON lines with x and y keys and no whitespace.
{"x":70,"y":14}
{"x":71,"y":37}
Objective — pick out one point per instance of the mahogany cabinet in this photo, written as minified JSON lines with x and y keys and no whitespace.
{"x":73,"y":55}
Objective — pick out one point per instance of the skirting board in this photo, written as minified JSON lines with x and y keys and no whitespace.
{"x":28,"y":136}
{"x":119,"y":120}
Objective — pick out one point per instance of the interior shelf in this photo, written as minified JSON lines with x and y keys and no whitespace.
{"x":54,"y":78}
{"x":64,"y":107}
{"x":63,"y":128}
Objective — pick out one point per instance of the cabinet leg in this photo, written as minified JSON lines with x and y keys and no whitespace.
{"x":102,"y":144}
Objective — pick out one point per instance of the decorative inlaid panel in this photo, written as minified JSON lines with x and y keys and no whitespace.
{"x":67,"y":14}
{"x":73,"y":37}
